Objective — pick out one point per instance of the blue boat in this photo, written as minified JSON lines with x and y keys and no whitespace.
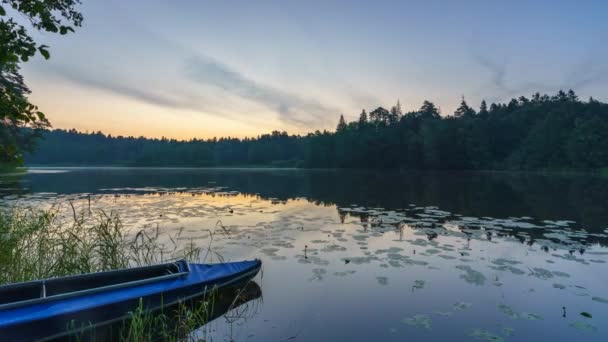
{"x":49,"y":309}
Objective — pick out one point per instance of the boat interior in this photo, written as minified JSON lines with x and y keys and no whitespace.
{"x":39,"y":289}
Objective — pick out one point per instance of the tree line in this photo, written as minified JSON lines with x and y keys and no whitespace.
{"x":540,"y":132}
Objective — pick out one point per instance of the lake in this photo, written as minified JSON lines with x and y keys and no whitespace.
{"x":362,"y":255}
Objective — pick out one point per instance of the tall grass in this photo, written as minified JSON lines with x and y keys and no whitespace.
{"x":37,"y":244}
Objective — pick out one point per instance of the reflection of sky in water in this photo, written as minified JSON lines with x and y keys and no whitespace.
{"x":358,"y":273}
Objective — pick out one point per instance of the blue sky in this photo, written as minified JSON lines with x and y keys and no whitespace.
{"x":190,"y":68}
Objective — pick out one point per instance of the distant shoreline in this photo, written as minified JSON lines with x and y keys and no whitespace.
{"x":596,"y":172}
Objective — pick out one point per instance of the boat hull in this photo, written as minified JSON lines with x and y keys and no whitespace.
{"x":58,"y":320}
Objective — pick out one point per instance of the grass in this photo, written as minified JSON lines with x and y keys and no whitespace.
{"x":38,"y":244}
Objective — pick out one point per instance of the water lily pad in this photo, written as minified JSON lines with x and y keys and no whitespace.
{"x":584,"y":326}
{"x":462,"y":306}
{"x":419,"y":284}
{"x":507,"y":310}
{"x":471,"y":276}
{"x":484,"y":335}
{"x":382,"y":280}
{"x":419,"y":320}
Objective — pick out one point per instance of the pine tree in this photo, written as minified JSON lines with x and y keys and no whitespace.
{"x":362,"y":119}
{"x":341,"y":124}
{"x":572,"y":96}
{"x":428,"y":109}
{"x":379,"y":116}
{"x":395,"y":113}
{"x":483,"y":109}
{"x":464,"y":110}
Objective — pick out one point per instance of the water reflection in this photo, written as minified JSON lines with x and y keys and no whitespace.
{"x":363,"y":256}
{"x":579,"y":198}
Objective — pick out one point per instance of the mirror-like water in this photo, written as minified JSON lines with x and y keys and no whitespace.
{"x":375,"y":256}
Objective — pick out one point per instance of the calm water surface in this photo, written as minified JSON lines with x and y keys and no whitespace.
{"x":363,"y":256}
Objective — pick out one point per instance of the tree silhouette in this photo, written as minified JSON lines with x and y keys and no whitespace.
{"x":464,"y":110}
{"x":341,"y":124}
{"x":483,"y":108}
{"x":363,"y":119}
{"x":16,"y":46}
{"x":428,"y":110}
{"x":543,"y":132}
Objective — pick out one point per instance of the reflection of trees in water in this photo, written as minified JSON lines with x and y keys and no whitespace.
{"x":524,"y":236}
{"x":579,"y":198}
{"x":12,"y":184}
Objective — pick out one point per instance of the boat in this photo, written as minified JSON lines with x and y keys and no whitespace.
{"x":49,"y":309}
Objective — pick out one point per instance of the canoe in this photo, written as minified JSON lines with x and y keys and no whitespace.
{"x":50,"y":308}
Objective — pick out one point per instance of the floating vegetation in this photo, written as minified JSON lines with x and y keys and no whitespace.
{"x":542,"y":273}
{"x":471,"y":276}
{"x":333,"y":248}
{"x":561,"y":274}
{"x":584,"y":326}
{"x":419,"y":284}
{"x":318,"y":273}
{"x":586,"y":314}
{"x":530,"y":316}
{"x":508,"y":331}
{"x":359,"y":260}
{"x":382,"y":280}
{"x":419,"y":320}
{"x":484,"y":335}
{"x":462,"y":306}
{"x":507,"y":310}
{"x":600,"y":299}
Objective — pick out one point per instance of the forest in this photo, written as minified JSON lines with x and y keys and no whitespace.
{"x":538,"y":133}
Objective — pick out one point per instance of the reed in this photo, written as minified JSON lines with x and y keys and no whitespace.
{"x":37,"y":244}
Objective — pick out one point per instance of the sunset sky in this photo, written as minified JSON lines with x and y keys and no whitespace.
{"x":186,"y":69}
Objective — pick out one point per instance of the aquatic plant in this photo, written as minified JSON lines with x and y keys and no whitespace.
{"x":37,"y":244}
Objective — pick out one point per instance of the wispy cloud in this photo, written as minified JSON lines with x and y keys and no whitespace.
{"x":141,"y":93}
{"x":589,"y":71}
{"x":498,"y":80}
{"x":293,"y":109}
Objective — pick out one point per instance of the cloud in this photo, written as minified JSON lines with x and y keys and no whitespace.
{"x":589,"y":71}
{"x":292,"y":109}
{"x":141,"y":93}
{"x":498,"y":76}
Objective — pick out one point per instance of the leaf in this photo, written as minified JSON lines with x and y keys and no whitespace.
{"x":65,"y":29}
{"x":586,"y":314}
{"x":44,"y":52}
{"x":2,"y":11}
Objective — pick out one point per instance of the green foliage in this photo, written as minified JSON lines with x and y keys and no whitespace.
{"x":38,"y":244}
{"x":558,"y":132}
{"x":16,"y":46}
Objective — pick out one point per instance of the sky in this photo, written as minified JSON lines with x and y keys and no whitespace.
{"x":200,"y":68}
